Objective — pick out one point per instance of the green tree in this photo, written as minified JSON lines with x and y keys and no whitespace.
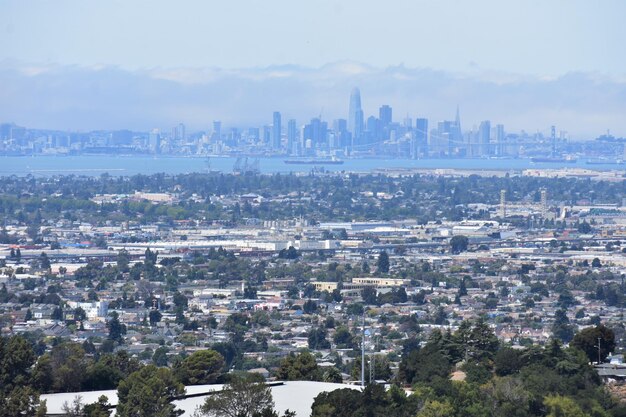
{"x":317,"y":338}
{"x":75,"y":408}
{"x":16,"y":359}
{"x":382,"y":264}
{"x":149,"y":393}
{"x":584,"y":227}
{"x":435,"y":408}
{"x":368,"y":294}
{"x":309,"y":307}
{"x":123,"y":260}
{"x":79,"y":314}
{"x":507,"y":361}
{"x":300,"y":367}
{"x":291,"y":253}
{"x":202,"y":367}
{"x":424,"y":365}
{"x":559,"y":406}
{"x":21,"y":401}
{"x":151,"y":257}
{"x":332,"y":374}
{"x":98,"y":409}
{"x":241,"y":397}
{"x":506,"y":397}
{"x":343,"y":338}
{"x":44,"y":261}
{"x":382,"y":369}
{"x":587,"y":340}
{"x":343,"y":402}
{"x":159,"y":358}
{"x":561,"y":328}
{"x":459,"y":243}
{"x":249,"y":292}
{"x":116,"y":329}
{"x":110,"y":368}
{"x":475,"y":339}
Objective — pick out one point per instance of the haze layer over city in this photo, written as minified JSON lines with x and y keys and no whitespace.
{"x":312,"y":209}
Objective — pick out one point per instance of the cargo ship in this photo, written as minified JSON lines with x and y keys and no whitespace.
{"x":314,"y":161}
{"x":554,"y":160}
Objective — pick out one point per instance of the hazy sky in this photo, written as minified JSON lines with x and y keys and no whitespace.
{"x":540,"y":37}
{"x":139,"y":64}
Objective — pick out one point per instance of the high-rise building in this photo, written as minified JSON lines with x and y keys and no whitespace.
{"x":355,"y":116}
{"x":385,"y":116}
{"x":217,"y":131}
{"x":253,"y":134}
{"x":373,"y":130}
{"x":154,"y":141}
{"x":291,"y":135}
{"x":500,"y":147}
{"x":444,"y":140}
{"x":484,"y":133}
{"x":316,"y":132}
{"x":340,"y":127}
{"x":457,"y":132}
{"x":178,"y":132}
{"x":276,"y":130}
{"x":267,"y":135}
{"x":421,"y":137}
{"x":5,"y":130}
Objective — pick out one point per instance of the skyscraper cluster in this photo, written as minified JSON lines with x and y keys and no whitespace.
{"x":357,"y":135}
{"x":381,"y":133}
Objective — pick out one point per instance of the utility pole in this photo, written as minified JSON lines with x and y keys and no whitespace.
{"x":372,"y":364}
{"x":363,"y":353}
{"x":599,"y":352}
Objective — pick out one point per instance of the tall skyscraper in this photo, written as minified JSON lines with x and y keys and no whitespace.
{"x":421,"y":137}
{"x":253,"y":134}
{"x":385,"y":116}
{"x":355,"y":116}
{"x":154,"y":141}
{"x":457,"y":132}
{"x":484,"y":133}
{"x":316,"y":132}
{"x":500,"y":150}
{"x":340,"y":127}
{"x":291,"y":135}
{"x":373,"y":130}
{"x":266,"y":136}
{"x":217,"y":131}
{"x":276,"y":131}
{"x":443,"y":142}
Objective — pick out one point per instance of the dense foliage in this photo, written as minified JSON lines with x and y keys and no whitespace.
{"x":34,"y":201}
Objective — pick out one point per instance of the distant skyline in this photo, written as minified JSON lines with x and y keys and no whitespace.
{"x":528,"y":64}
{"x":76,"y":98}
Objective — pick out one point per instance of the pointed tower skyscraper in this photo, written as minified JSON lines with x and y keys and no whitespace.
{"x":458,"y":133}
{"x":355,"y":116}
